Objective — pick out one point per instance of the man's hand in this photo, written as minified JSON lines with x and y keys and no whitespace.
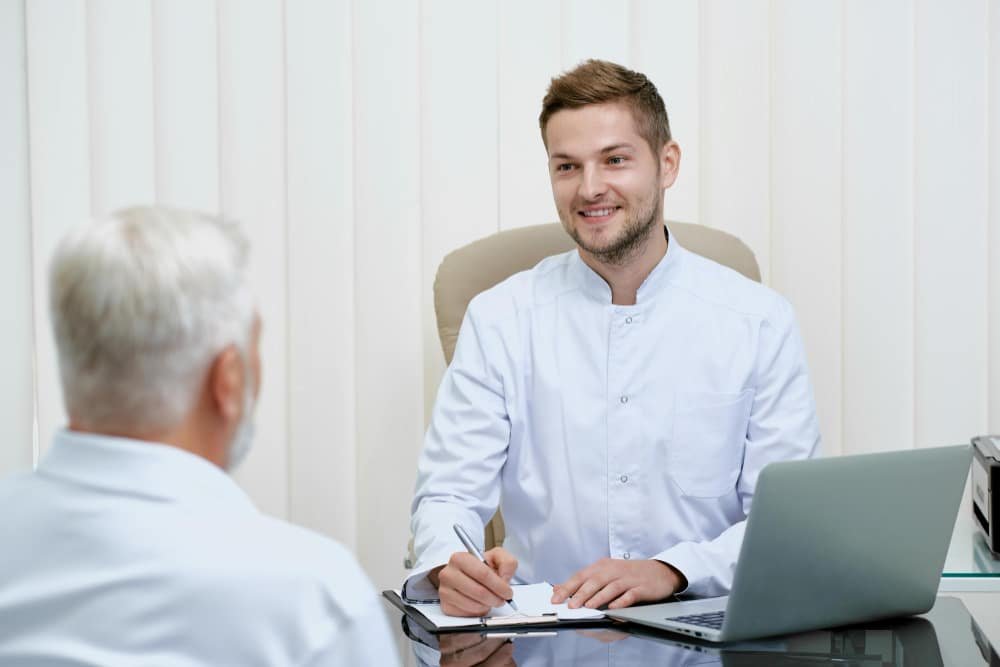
{"x":468,"y":649}
{"x":619,"y":583}
{"x":468,"y":587}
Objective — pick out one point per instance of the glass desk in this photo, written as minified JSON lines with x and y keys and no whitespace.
{"x":970,"y":565}
{"x":947,"y":636}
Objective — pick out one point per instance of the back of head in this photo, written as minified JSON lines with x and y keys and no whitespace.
{"x":141,"y":302}
{"x":603,"y":82}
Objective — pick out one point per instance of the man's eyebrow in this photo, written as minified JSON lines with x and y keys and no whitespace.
{"x":618,"y":147}
{"x":606,"y":149}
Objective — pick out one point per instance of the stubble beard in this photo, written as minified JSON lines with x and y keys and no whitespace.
{"x":629,"y":243}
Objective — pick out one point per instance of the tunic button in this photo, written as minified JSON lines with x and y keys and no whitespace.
{"x":628,"y":320}
{"x":624,"y":400}
{"x":626,"y":555}
{"x":623,"y":479}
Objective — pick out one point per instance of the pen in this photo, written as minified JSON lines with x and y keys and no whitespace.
{"x":471,"y":547}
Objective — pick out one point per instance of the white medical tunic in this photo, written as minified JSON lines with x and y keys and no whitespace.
{"x":120,"y":552}
{"x":613,"y":431}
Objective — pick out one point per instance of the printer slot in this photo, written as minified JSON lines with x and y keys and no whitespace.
{"x":983,"y":523}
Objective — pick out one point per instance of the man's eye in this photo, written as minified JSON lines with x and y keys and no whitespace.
{"x":617,"y":159}
{"x":564,"y":167}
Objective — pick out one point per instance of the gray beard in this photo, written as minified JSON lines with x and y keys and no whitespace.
{"x":634,"y":236}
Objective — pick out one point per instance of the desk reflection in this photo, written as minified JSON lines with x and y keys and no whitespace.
{"x":905,"y":643}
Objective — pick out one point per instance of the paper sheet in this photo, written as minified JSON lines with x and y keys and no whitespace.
{"x":531,"y":600}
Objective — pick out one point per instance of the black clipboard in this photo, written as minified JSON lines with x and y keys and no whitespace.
{"x":500,"y":623}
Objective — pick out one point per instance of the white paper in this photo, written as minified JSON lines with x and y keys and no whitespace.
{"x":531,"y":600}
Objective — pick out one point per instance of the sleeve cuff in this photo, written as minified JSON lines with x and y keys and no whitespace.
{"x":685,"y":558}
{"x":418,"y":586}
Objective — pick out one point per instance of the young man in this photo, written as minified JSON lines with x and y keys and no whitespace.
{"x":619,"y":401}
{"x":130,"y":545}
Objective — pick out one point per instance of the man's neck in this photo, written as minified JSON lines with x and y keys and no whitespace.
{"x":625,"y":279}
{"x":184,"y":436}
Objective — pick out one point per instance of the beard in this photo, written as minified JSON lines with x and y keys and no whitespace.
{"x":242,"y":440}
{"x":629,"y":242}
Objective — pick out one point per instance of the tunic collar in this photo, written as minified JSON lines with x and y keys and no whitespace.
{"x":664,"y":271}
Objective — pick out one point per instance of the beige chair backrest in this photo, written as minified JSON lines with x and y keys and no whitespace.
{"x":482,"y":264}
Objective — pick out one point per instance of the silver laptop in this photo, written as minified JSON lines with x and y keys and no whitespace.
{"x":830,"y":542}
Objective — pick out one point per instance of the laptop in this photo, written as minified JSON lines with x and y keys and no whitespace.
{"x":830,"y":542}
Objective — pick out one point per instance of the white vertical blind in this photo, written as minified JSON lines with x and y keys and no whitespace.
{"x":528,"y":56}
{"x":806,"y":231}
{"x":594,"y":29}
{"x":457,"y":137}
{"x":389,"y":277}
{"x":735,"y":125}
{"x":185,"y":73}
{"x":323,"y":484}
{"x":665,"y":47}
{"x":878,"y":268}
{"x":993,"y":290}
{"x":59,"y":155}
{"x":852,"y":144}
{"x":950,"y":233}
{"x":120,"y":94}
{"x":252,"y":178}
{"x":16,"y":373}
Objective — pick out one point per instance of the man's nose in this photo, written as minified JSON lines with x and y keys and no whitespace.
{"x":592,"y":185}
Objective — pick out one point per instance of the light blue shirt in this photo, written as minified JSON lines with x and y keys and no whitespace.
{"x":613,"y":431}
{"x":121,"y":552}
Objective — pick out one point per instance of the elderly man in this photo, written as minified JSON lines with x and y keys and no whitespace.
{"x":130,"y":544}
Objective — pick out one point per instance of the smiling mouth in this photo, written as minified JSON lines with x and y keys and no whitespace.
{"x":598,"y":213}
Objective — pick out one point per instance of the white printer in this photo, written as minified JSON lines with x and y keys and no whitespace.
{"x":986,"y":488}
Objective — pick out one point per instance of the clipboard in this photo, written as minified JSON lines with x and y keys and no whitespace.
{"x":414,"y":615}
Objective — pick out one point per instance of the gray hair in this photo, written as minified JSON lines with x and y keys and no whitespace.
{"x":142,"y":302}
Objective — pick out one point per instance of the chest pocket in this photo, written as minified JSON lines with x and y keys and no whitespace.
{"x":706,"y":451}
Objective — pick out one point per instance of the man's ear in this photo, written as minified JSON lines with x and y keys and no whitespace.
{"x":225,"y":383}
{"x":670,"y":163}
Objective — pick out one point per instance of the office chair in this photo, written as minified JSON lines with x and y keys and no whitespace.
{"x":480,"y":265}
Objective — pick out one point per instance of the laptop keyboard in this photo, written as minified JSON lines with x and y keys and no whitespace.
{"x":711,"y":619}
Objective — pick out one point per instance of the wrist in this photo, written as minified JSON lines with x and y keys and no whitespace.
{"x":678,"y":582}
{"x":434,"y":576}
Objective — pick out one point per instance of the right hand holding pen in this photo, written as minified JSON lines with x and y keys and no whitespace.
{"x":468,"y":587}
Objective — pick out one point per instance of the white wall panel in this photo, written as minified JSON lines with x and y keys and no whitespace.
{"x":388,"y":278}
{"x":252,"y":160}
{"x":878,"y":226}
{"x":993,"y":289}
{"x":60,"y":168}
{"x":806,"y":189}
{"x":594,"y":29}
{"x":853,"y":144}
{"x":458,"y":169}
{"x":735,"y":122}
{"x":665,"y":48}
{"x":17,"y":384}
{"x":186,"y":112}
{"x":951,"y":221}
{"x":528,"y":57}
{"x":322,"y":456}
{"x":120,"y":63}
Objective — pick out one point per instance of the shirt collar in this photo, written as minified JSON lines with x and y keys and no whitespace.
{"x":139,"y":468}
{"x":664,"y":271}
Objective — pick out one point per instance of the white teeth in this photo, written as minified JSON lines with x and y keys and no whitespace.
{"x":598,"y":213}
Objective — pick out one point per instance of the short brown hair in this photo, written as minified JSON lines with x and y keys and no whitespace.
{"x":600,"y":81}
